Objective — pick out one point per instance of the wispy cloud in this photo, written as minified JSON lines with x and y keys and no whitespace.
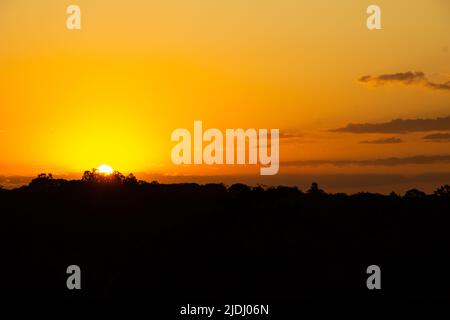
{"x":388,"y":162}
{"x":283,"y":135}
{"x":291,"y":135}
{"x":392,"y":140}
{"x":285,"y":138}
{"x":407,"y":78}
{"x":438,"y":137}
{"x":398,"y":126}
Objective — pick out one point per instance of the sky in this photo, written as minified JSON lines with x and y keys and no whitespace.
{"x":349,"y":102}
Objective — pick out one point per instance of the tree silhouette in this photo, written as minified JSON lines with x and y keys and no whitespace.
{"x":314,"y":189}
{"x":89,"y":176}
{"x":42,"y":180}
{"x":115,"y":178}
{"x":394,"y":195}
{"x":443,"y":191}
{"x":130,"y":180}
{"x":415,"y":194}
{"x":239,"y":188}
{"x":134,"y":239}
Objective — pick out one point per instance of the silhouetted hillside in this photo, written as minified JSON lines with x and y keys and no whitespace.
{"x":188,"y":241}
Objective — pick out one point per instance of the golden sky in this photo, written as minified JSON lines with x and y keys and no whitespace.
{"x":114,"y":91}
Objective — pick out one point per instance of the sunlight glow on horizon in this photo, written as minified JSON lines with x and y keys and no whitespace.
{"x":105,"y":169}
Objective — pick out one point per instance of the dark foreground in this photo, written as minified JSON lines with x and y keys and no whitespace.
{"x":209,"y":243}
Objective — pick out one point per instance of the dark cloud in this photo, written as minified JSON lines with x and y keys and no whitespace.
{"x":437,"y":137}
{"x":388,"y":162}
{"x":407,"y":78}
{"x":439,"y":86}
{"x":383,"y":141}
{"x":398,"y":126}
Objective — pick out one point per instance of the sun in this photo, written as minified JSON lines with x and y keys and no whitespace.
{"x":105,"y":169}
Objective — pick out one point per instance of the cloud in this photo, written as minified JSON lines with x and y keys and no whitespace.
{"x":290,"y":135}
{"x":407,"y":78}
{"x":285,"y":138}
{"x":398,"y":126}
{"x":387,"y":162}
{"x":439,"y":86}
{"x":404,"y":77}
{"x":283,"y":135}
{"x":383,"y":141}
{"x":437,"y":137}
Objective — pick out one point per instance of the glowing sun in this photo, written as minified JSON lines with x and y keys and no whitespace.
{"x":105,"y":169}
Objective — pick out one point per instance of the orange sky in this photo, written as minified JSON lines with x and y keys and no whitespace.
{"x":114,"y":91}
